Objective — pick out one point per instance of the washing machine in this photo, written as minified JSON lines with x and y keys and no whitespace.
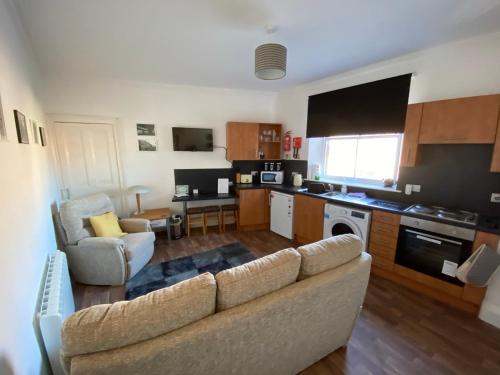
{"x":343,"y":220}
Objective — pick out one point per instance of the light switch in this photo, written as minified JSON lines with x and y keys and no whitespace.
{"x":416,"y":188}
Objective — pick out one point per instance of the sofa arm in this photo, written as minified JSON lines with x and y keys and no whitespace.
{"x":98,"y":261}
{"x":135,"y":225}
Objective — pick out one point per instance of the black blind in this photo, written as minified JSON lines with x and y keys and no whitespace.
{"x":377,"y":107}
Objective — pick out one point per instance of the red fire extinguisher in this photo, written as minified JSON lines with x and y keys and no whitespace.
{"x":287,"y":141}
{"x":297,"y":144}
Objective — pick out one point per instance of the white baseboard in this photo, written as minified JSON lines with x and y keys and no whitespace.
{"x":490,"y":313}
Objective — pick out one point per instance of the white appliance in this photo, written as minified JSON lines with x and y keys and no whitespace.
{"x":56,"y":305}
{"x":281,"y":214}
{"x":343,"y":220}
{"x":271,"y":177}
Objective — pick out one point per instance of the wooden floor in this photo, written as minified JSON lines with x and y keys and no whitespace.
{"x":398,"y":331}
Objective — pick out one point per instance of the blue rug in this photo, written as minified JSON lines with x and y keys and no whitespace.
{"x":157,"y":276}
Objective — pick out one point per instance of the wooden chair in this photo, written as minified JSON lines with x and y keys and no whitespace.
{"x":209,"y":211}
{"x":195,"y":215}
{"x":232,"y":209}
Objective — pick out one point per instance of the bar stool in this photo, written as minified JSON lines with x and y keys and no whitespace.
{"x":211,"y":211}
{"x":231,"y":209}
{"x":195,"y":215}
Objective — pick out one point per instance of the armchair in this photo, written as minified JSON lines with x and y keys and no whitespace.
{"x":103,"y":260}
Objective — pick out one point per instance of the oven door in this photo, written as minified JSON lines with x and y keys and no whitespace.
{"x":433,"y":254}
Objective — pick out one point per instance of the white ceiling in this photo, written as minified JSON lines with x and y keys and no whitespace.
{"x":211,"y":42}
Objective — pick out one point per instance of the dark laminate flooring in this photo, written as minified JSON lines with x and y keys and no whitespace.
{"x":399,"y":331}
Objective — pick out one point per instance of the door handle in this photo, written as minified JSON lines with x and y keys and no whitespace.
{"x":429,"y":239}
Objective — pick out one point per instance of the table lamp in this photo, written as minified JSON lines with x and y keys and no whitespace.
{"x":138,"y":190}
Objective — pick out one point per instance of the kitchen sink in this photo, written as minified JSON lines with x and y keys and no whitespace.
{"x":331,"y":193}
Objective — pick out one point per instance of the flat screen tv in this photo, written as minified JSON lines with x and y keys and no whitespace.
{"x":192,"y":139}
{"x":371,"y":108}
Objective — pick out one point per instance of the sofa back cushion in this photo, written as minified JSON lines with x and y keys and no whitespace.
{"x":329,"y":253}
{"x":104,"y":327}
{"x":244,"y":283}
{"x":75,"y":215}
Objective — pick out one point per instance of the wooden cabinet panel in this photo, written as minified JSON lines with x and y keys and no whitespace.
{"x":383,"y":229}
{"x":464,"y":120}
{"x":381,"y":262}
{"x":389,"y":242}
{"x":495,"y":160}
{"x":411,"y":135}
{"x":386,"y":217}
{"x":254,"y":207}
{"x":308,"y":216}
{"x":242,"y":140}
{"x":383,"y":251}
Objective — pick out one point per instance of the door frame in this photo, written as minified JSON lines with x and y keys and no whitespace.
{"x":55,"y":118}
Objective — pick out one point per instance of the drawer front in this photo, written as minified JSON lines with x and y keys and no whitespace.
{"x":383,"y":240}
{"x":382,"y":251}
{"x":386,"y":217}
{"x":384,"y":230}
{"x":382,"y":263}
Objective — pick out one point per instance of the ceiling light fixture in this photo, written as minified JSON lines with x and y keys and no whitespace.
{"x":270,"y":59}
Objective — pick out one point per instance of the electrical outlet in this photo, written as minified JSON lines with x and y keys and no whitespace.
{"x":495,"y":197}
{"x":408,"y":189}
{"x":416,"y":188}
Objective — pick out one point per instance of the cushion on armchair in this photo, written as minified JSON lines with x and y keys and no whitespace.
{"x":106,"y":225}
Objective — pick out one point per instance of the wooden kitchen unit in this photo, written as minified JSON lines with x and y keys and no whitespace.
{"x":308,"y":216}
{"x":244,"y":140}
{"x":253,"y":209}
{"x":382,"y":246}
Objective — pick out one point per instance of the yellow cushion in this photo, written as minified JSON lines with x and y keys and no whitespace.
{"x":106,"y":225}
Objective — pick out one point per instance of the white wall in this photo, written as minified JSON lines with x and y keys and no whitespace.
{"x":465,"y":68}
{"x":26,"y":230}
{"x":165,"y":106}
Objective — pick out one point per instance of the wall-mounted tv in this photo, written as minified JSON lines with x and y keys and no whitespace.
{"x":371,"y":108}
{"x":192,"y":139}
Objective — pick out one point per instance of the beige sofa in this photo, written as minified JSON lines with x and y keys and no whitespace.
{"x":252,"y":319}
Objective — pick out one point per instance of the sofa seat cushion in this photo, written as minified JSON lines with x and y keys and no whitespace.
{"x":328,"y":253}
{"x":104,"y":327}
{"x":139,"y":248}
{"x":244,"y":283}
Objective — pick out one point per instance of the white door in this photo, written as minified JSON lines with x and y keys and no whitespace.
{"x":88,"y":161}
{"x":282,"y":214}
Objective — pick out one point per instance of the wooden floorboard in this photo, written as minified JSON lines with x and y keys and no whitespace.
{"x":398,"y":332}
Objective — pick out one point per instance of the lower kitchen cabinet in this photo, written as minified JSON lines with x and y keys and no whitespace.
{"x":253,"y":209}
{"x":384,"y":233}
{"x":308,"y":217}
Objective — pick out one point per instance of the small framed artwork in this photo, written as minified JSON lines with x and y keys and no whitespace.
{"x":43,"y":139}
{"x":148,"y":144}
{"x":22,"y":129}
{"x":34,"y":131}
{"x":3,"y":130}
{"x":146,"y":130}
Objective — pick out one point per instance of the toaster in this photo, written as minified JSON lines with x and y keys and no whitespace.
{"x":246,"y":179}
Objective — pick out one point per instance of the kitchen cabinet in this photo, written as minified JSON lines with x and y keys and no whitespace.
{"x":411,"y":135}
{"x":463,"y":120}
{"x":253,"y":209}
{"x":495,"y":160}
{"x":384,"y":233}
{"x":308,"y":217}
{"x":245,"y":140}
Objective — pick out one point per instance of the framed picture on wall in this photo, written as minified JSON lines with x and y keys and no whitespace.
{"x":3,"y":130}
{"x":22,"y":129}
{"x":148,"y":144}
{"x":146,"y":130}
{"x":34,"y":131}
{"x":42,"y":136}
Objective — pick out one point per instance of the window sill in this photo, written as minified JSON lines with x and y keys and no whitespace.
{"x":374,"y":186}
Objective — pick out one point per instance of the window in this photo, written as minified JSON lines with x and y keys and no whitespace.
{"x":363,"y":158}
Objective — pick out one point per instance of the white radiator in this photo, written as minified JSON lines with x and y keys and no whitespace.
{"x":56,"y":305}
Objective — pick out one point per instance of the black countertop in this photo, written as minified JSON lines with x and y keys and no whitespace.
{"x":485,"y":223}
{"x":203,"y":197}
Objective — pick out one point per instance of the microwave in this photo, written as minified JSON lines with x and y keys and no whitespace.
{"x":271,"y":177}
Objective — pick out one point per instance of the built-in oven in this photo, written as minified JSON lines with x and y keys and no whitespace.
{"x":433,"y":248}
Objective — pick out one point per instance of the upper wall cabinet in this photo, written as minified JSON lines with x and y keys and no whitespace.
{"x":250,"y":141}
{"x":464,"y":120}
{"x":495,"y":160}
{"x":412,"y":132}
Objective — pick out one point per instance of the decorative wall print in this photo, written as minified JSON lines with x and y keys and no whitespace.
{"x":148,"y":143}
{"x":146,"y":130}
{"x":22,"y":129}
{"x":34,"y":131}
{"x":42,"y":136}
{"x":3,"y":131}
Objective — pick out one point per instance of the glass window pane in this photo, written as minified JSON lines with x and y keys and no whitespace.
{"x":341,"y":157}
{"x":376,"y":157}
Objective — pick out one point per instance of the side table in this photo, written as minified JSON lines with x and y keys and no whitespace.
{"x":157,"y":214}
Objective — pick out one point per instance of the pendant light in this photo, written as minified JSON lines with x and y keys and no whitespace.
{"x":270,"y":59}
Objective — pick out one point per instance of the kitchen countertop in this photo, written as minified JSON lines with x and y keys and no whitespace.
{"x":485,"y":223}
